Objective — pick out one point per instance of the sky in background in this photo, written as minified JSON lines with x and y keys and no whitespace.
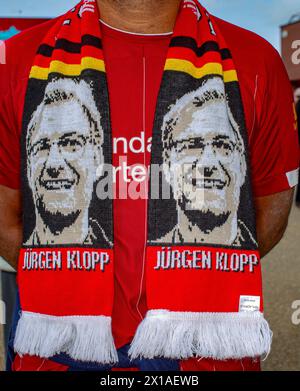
{"x":261,"y":16}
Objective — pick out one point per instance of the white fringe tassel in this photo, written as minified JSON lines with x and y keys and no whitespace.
{"x":220,"y":336}
{"x":84,"y":338}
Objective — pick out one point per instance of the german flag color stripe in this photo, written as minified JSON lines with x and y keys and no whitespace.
{"x":67,"y":69}
{"x":69,"y":46}
{"x":188,"y":55}
{"x":209,"y":46}
{"x":207,"y":69}
{"x":172,"y":64}
{"x":68,"y":58}
{"x":184,"y":55}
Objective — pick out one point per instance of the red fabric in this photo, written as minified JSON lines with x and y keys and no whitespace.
{"x":84,"y":270}
{"x":133,"y":88}
{"x":188,"y":279}
{"x":246,"y":364}
{"x":33,"y":363}
{"x":132,"y":115}
{"x":19,"y":23}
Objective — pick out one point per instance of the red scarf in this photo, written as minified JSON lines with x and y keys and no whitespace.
{"x":202,"y":264}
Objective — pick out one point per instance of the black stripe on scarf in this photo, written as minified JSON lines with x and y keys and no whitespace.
{"x":69,"y":46}
{"x":209,"y":46}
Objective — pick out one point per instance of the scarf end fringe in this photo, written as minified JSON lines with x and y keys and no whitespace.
{"x":220,"y":336}
{"x":83,"y":338}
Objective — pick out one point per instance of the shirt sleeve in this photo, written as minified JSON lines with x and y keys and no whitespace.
{"x":9,"y":131}
{"x":274,"y":147}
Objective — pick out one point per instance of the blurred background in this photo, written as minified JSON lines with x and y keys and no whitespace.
{"x":278,"y":21}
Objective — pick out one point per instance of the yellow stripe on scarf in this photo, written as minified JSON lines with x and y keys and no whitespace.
{"x":211,"y":68}
{"x":67,"y":69}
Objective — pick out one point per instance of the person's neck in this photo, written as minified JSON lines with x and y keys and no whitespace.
{"x":140,"y":16}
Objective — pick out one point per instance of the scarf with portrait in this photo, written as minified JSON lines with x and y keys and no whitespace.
{"x":201,"y":265}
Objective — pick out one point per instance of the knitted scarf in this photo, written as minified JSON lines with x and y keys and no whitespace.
{"x":202,"y":264}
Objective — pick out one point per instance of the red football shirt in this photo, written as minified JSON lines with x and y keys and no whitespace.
{"x":133,"y":75}
{"x":134,"y":72}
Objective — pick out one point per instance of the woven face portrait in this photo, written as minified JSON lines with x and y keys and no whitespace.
{"x":64,"y":148}
{"x":204,"y":157}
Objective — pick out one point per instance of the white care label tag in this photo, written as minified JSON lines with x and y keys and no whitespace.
{"x":249,"y":303}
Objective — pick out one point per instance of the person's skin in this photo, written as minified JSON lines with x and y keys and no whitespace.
{"x":140,"y":16}
{"x":10,"y":224}
{"x":149,"y":17}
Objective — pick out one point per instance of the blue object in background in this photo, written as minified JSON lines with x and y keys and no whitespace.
{"x":8,"y":33}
